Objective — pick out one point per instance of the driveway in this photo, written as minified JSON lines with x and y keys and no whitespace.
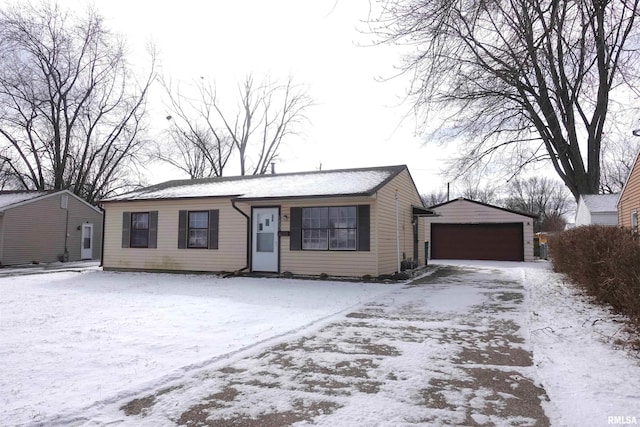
{"x":447,"y":349}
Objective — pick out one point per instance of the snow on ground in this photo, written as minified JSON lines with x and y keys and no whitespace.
{"x":587,"y":377}
{"x":68,"y":340}
{"x":82,"y":344}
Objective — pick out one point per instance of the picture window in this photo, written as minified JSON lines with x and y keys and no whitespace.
{"x":329,"y":228}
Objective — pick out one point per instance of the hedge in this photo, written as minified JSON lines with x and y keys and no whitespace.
{"x":605,"y":261}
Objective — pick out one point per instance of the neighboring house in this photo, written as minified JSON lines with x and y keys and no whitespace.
{"x":466,"y":229}
{"x":597,"y":209}
{"x":340,"y":223}
{"x":629,"y":203}
{"x":47,"y":226}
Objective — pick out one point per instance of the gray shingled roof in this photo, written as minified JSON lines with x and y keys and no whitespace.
{"x":601,"y":202}
{"x":345,"y":182}
{"x":10,"y":198}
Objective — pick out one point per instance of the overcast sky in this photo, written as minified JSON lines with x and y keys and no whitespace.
{"x":357,"y":121}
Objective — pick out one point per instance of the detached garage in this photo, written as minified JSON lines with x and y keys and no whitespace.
{"x":466,"y":229}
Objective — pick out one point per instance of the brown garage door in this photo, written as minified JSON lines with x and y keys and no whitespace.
{"x":503,"y":241}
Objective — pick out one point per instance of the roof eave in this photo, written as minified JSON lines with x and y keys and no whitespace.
{"x":313,"y":196}
{"x":484,"y":204}
{"x":153,"y":199}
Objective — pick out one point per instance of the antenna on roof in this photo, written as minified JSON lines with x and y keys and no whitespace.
{"x":273,"y":168}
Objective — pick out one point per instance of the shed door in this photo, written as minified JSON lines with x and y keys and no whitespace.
{"x":501,"y":241}
{"x":265,"y":243}
{"x":86,"y":248}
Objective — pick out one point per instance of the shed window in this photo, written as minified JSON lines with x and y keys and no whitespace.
{"x":139,"y":230}
{"x":329,"y":228}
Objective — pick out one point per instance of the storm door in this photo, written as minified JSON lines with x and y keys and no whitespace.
{"x":86,"y":250}
{"x":264,"y":254}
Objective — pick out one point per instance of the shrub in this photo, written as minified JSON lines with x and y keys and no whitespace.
{"x":603,"y":260}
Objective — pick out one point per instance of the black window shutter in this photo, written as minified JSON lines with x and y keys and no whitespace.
{"x":153,"y":229}
{"x":214,"y":217}
{"x":182,"y":229}
{"x":126,"y":227}
{"x":295,"y":232}
{"x":364,"y":233}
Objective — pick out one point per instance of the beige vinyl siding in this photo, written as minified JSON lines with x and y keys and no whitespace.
{"x":336,"y":263}
{"x":465,"y":212}
{"x":386,"y":223}
{"x":232,"y":252}
{"x":630,"y":197}
{"x":35,"y":231}
{"x":230,"y":255}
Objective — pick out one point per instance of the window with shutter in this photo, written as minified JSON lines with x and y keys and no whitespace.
{"x":332,"y":228}
{"x":140,"y":229}
{"x":198,"y":229}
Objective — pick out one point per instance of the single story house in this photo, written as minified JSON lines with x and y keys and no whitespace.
{"x":467,"y":229}
{"x":628,"y":205}
{"x":48,"y":226}
{"x":597,"y":209}
{"x":351,"y":222}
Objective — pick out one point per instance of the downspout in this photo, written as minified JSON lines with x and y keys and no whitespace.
{"x":65,"y":254}
{"x":102,"y":237}
{"x":233,"y":203}
{"x":397,"y":233}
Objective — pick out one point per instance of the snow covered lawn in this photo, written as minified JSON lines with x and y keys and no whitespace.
{"x":69,"y":340}
{"x":495,"y":344}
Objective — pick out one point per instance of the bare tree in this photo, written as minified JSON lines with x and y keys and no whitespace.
{"x":434,"y":198}
{"x":71,"y":112}
{"x":266,"y":114}
{"x":531,"y":78}
{"x":544,"y":197}
{"x":618,"y":156}
{"x":195,"y":145}
{"x":269,"y":112}
{"x":474,"y":189}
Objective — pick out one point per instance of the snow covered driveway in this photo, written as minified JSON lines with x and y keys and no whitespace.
{"x":498,"y":344}
{"x":445,"y":350}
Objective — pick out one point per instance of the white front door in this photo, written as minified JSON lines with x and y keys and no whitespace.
{"x":265,"y":243}
{"x":86,"y":248}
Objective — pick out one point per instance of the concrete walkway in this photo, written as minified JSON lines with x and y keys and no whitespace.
{"x":446,"y":350}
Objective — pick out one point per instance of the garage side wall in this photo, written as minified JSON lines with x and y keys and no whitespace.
{"x":466,"y":212}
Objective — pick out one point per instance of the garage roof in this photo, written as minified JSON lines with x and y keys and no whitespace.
{"x":483,"y":204}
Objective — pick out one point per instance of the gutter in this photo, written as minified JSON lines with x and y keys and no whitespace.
{"x":233,"y":204}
